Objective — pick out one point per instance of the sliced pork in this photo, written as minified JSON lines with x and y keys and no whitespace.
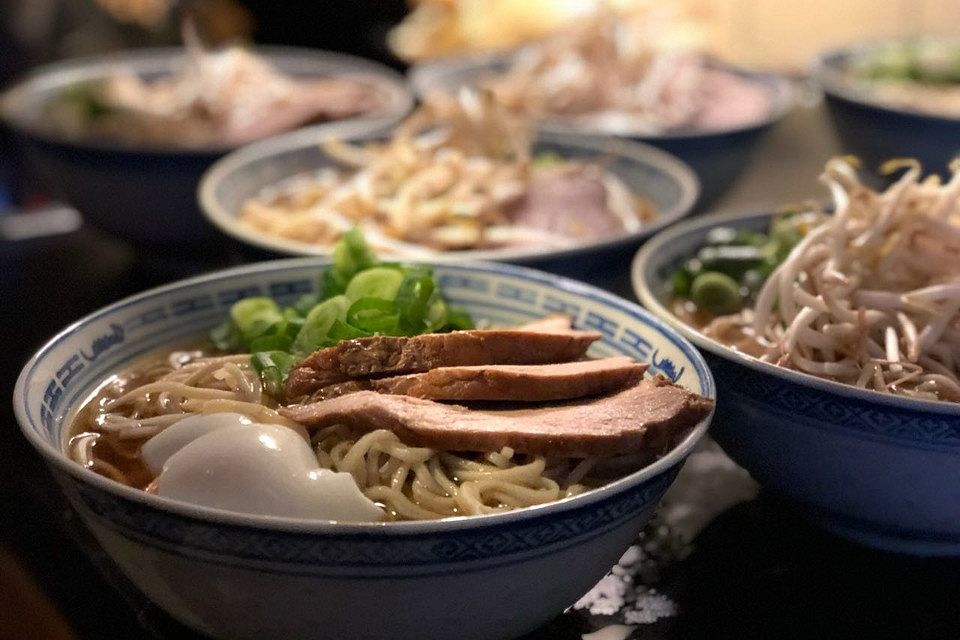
{"x":568,"y":201}
{"x":387,"y":355}
{"x":648,"y":417}
{"x":517,"y":383}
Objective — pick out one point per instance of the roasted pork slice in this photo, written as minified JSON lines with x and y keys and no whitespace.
{"x":568,"y":201}
{"x":387,"y":355}
{"x":648,"y":417}
{"x":517,"y":383}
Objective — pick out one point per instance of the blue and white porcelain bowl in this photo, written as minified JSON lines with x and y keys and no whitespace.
{"x":879,"y":469}
{"x":242,"y":576}
{"x":669,"y":185}
{"x":875,"y":130}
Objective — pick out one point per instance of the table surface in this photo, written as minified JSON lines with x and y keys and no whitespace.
{"x":721,"y":560}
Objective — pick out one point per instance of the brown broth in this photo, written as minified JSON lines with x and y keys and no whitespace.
{"x":108,"y":448}
{"x":735,"y":337}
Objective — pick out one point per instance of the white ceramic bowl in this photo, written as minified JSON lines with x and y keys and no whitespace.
{"x":243,"y":576}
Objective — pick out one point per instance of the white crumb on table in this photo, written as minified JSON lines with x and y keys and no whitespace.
{"x":649,"y":607}
{"x":708,"y":484}
{"x":606,"y":598}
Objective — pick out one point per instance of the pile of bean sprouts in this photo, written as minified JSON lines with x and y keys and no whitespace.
{"x":870,"y":297}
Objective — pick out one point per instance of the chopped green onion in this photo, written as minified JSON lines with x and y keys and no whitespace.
{"x":374,"y":315}
{"x":343,"y":331}
{"x":273,"y":367}
{"x":253,"y":317}
{"x":716,"y":292}
{"x":412,"y":300}
{"x":315,"y":332}
{"x":305,"y":303}
{"x":458,"y":319}
{"x":680,"y":281}
{"x":377,"y":282}
{"x":547,"y":159}
{"x":360,"y":297}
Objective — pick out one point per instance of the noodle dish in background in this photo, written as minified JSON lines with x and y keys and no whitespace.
{"x":96,"y":127}
{"x":613,"y":74}
{"x":460,"y":179}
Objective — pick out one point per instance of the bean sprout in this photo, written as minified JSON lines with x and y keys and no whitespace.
{"x":871,"y":297}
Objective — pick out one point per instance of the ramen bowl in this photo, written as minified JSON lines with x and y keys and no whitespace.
{"x":875,"y":130}
{"x":662,"y":180}
{"x":245,"y":576}
{"x":716,"y":156}
{"x":143,"y":194}
{"x":878,"y":469}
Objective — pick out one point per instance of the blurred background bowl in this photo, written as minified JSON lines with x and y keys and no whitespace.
{"x":244,"y":576}
{"x":876,"y":131}
{"x":716,"y":156}
{"x":148,"y":195}
{"x":668,"y":184}
{"x":882,"y":470}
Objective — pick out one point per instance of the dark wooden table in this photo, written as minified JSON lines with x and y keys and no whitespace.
{"x":724,"y":559}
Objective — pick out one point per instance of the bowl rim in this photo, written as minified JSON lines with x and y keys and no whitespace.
{"x":784,"y":97}
{"x":635,"y":152}
{"x":828,"y":71}
{"x":58,"y":75}
{"x":643,"y":290}
{"x":54,"y":456}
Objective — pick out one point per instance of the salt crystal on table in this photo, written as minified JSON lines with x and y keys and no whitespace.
{"x":606,"y":598}
{"x":649,"y":607}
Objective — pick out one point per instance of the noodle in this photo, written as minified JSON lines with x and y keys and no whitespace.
{"x":411,"y":483}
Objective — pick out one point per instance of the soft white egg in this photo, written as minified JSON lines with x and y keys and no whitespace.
{"x":262,"y":469}
{"x":160,"y":447}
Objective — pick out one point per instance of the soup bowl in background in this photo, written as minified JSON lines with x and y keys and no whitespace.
{"x":667,"y":183}
{"x":875,"y":130}
{"x":147,"y":194}
{"x":880,"y":469}
{"x":246,"y":576}
{"x":716,"y":156}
